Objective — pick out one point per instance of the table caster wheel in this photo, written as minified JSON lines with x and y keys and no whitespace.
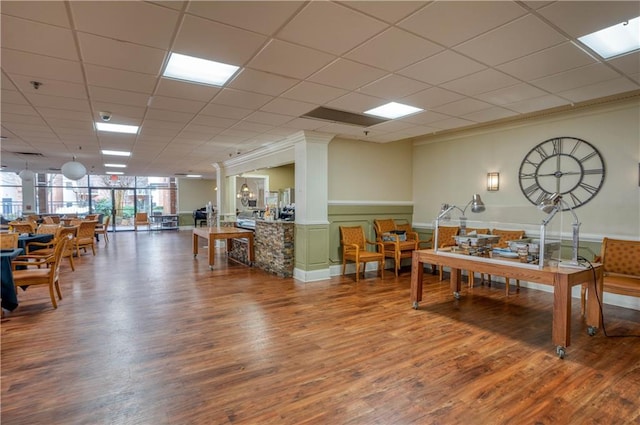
{"x":456,"y":295}
{"x":561,"y":352}
{"x":210,"y":267}
{"x":415,"y":305}
{"x":591,"y":330}
{"x":195,"y":255}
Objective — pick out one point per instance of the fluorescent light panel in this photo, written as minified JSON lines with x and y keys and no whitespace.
{"x":616,"y":40}
{"x":115,"y":173}
{"x":194,"y":175}
{"x":198,"y":70}
{"x":393,"y":110}
{"x":115,"y":153}
{"x":115,"y":165}
{"x":117,"y":128}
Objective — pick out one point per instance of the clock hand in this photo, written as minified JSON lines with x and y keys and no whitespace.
{"x":559,"y":174}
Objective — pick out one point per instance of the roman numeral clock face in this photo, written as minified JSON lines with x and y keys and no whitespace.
{"x":569,"y":166}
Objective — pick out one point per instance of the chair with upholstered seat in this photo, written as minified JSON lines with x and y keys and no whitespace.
{"x":445,"y":240}
{"x":395,"y":245}
{"x":354,"y":245}
{"x":620,"y":269}
{"x":101,"y":229}
{"x":85,"y":237}
{"x":22,"y":226}
{"x":505,"y":237}
{"x":48,"y":275}
{"x":9,"y":240}
{"x":141,"y":219}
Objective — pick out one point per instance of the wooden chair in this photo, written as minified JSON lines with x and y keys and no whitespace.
{"x":9,"y":240}
{"x":48,"y":276}
{"x":505,"y":237}
{"x":101,"y":229}
{"x":471,"y":277}
{"x":354,"y":244}
{"x":45,"y":247}
{"x":48,"y":220}
{"x":446,"y":239}
{"x":620,"y":269}
{"x":393,"y":245}
{"x":69,"y":249}
{"x":141,"y":219}
{"x":22,"y":226}
{"x":85,"y":237}
{"x":91,"y":217}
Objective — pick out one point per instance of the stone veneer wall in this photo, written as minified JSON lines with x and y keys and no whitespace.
{"x":274,"y":247}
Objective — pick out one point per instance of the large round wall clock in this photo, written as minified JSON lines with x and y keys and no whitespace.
{"x":569,"y":166}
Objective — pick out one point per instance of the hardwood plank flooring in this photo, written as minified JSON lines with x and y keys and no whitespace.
{"x":146,"y":334}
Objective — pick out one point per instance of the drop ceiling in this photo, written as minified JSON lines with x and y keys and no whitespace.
{"x":464,"y":63}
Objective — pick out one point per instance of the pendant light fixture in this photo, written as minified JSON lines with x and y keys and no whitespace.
{"x":27,"y":175}
{"x":73,"y":170}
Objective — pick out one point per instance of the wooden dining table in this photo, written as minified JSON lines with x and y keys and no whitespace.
{"x":211,"y":234}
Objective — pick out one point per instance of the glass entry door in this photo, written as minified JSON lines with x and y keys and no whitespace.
{"x":122,"y":209}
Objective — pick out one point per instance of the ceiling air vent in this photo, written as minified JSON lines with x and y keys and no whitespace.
{"x":342,"y":117}
{"x":29,"y":153}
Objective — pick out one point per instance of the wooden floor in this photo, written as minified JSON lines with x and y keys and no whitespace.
{"x":145,"y":334}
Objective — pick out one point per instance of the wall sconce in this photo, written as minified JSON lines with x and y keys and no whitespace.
{"x":493,"y":182}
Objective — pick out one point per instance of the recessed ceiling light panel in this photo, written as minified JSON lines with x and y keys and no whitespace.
{"x":115,"y":165}
{"x":189,"y":68}
{"x":393,"y":110}
{"x":115,"y":153}
{"x":117,"y":128}
{"x":616,"y":40}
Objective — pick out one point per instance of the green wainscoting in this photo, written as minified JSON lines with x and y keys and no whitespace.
{"x":361,"y":215}
{"x":311,"y":245}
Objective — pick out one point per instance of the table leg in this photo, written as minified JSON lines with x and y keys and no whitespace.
{"x":416,"y":279}
{"x":561,"y":324}
{"x":456,"y":282}
{"x":195,"y":245}
{"x":251,"y":250}
{"x":212,"y":251}
{"x":594,"y":319}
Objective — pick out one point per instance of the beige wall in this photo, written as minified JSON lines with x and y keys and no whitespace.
{"x":282,"y":177}
{"x":451,"y":168}
{"x":362,"y":172}
{"x":195,"y":193}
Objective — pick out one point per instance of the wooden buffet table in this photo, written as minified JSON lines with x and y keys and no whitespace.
{"x":562,"y":280}
{"x":228,"y":233}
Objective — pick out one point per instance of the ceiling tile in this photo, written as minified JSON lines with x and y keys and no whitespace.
{"x":14,"y":62}
{"x":425,"y":117}
{"x":289,"y":59}
{"x":389,"y":11}
{"x":547,"y":62}
{"x":314,"y":93}
{"x":262,"y":82}
{"x":211,"y":40}
{"x":490,"y":114}
{"x":346,"y":74}
{"x":66,"y":114}
{"x":185,"y":90}
{"x":212,"y":121}
{"x":225,"y":111}
{"x":480,"y":82}
{"x":431,"y":98}
{"x":462,"y":107}
{"x":511,"y":94}
{"x":51,"y":87}
{"x":58,"y":102}
{"x":13,"y":108}
{"x":121,"y":114}
{"x":306,"y":124}
{"x":452,"y":22}
{"x":511,"y":41}
{"x":604,"y":88}
{"x":50,"y":12}
{"x":536,"y":104}
{"x":34,"y":37}
{"x":121,"y":55}
{"x":268,"y":118}
{"x":628,"y":63}
{"x":393,"y":49}
{"x":241,"y":99}
{"x":172,"y":116}
{"x":356,"y":102}
{"x":103,"y":94}
{"x":442,"y":67}
{"x":101,"y":76}
{"x":258,"y":16}
{"x":451,"y":123}
{"x":12,"y":97}
{"x":175,"y":104}
{"x":288,"y":107}
{"x":579,"y":18}
{"x":121,"y":20}
{"x":393,"y":87}
{"x":330,"y":27}
{"x":575,"y":78}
